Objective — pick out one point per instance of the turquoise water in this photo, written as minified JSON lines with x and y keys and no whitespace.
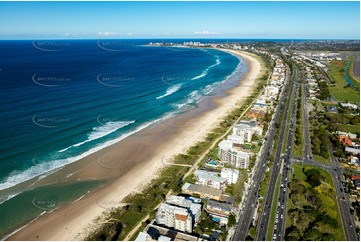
{"x":345,"y":74}
{"x":63,"y":100}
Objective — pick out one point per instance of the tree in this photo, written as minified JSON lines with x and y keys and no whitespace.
{"x":252,"y":232}
{"x":231,"y":220}
{"x":292,"y":233}
{"x":312,"y":234}
{"x":328,"y":237}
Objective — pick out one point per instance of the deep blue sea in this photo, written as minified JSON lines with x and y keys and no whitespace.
{"x":62,"y":100}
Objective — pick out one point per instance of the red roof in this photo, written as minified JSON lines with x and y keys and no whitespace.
{"x":354,"y":177}
{"x":345,"y":140}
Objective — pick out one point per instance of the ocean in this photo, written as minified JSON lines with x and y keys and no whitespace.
{"x":64,"y":99}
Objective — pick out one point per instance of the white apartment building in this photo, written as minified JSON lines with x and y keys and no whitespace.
{"x":236,"y":140}
{"x":194,"y":208}
{"x":236,"y":158}
{"x":210,"y":179}
{"x":231,"y":175}
{"x":271,"y":91}
{"x":174,"y":217}
{"x":245,"y":129}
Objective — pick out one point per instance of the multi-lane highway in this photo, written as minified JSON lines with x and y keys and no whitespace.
{"x":278,"y":225}
{"x":250,"y":203}
{"x":281,"y":169}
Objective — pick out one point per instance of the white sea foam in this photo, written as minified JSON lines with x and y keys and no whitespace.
{"x":171,"y":90}
{"x":8,"y":197}
{"x":14,"y":232}
{"x":101,"y":131}
{"x":17,"y":177}
{"x":65,"y":149}
{"x":196,"y":96}
{"x":192,"y":98}
{"x":205,"y":72}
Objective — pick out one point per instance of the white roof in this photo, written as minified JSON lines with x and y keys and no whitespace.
{"x":142,"y":236}
{"x":229,"y":170}
{"x":186,"y":186}
{"x":179,"y":200}
{"x":208,"y":175}
{"x":182,"y":211}
{"x":225,"y":145}
{"x":164,"y":238}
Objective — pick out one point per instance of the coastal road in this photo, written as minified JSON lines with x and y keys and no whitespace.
{"x":342,"y":198}
{"x":279,"y":168}
{"x":306,"y":129}
{"x":335,"y":171}
{"x":281,"y":212}
{"x":250,"y":203}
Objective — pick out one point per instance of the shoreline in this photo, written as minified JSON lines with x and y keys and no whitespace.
{"x":131,"y":171}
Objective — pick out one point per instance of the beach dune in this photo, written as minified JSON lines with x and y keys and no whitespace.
{"x":131,"y":163}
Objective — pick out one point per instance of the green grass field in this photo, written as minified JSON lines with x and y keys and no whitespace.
{"x":322,"y":160}
{"x":338,"y":91}
{"x":349,"y":128}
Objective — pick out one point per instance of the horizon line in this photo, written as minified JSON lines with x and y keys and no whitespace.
{"x":180,"y":38}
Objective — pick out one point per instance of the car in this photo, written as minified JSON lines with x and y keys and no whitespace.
{"x":276,"y":221}
{"x":281,"y":216}
{"x":252,"y":205}
{"x":274,"y":237}
{"x":277,"y":215}
{"x":262,"y":225}
{"x":350,"y":224}
{"x":275,"y":227}
{"x":283,"y":206}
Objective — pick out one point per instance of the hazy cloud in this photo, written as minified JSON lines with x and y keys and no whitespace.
{"x":107,"y":33}
{"x":204,"y":32}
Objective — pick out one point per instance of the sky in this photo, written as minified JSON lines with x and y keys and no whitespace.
{"x":260,"y":20}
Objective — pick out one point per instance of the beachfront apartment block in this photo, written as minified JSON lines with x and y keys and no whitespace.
{"x":272,"y":91}
{"x":245,"y":130}
{"x":260,"y":104}
{"x":154,"y":232}
{"x":175,"y":217}
{"x":228,"y":154}
{"x":210,"y":179}
{"x":202,"y":191}
{"x":231,"y":175}
{"x":218,"y":209}
{"x":192,"y":204}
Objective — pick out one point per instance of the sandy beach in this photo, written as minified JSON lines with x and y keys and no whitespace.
{"x":131,"y":163}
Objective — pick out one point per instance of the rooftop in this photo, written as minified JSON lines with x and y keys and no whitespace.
{"x":208,"y":175}
{"x":202,"y":189}
{"x":212,"y":204}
